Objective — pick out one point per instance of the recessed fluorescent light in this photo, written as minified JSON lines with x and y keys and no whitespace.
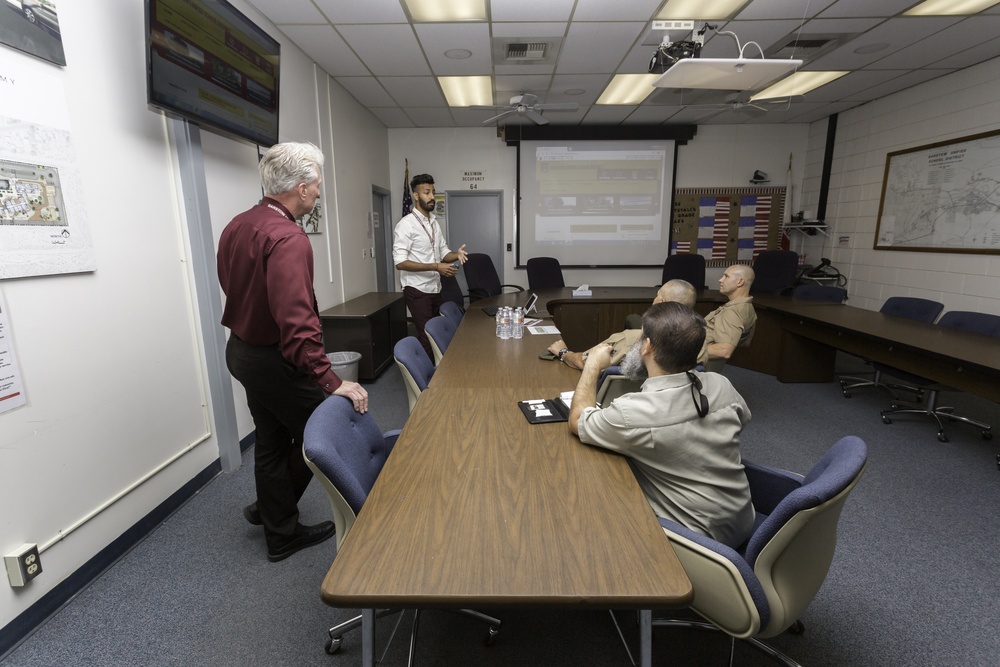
{"x":467,"y":91}
{"x":438,"y":11}
{"x":949,"y":7}
{"x":699,"y":9}
{"x":628,"y":89}
{"x":799,"y":83}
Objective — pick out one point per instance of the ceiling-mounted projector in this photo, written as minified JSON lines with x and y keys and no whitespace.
{"x":669,"y":53}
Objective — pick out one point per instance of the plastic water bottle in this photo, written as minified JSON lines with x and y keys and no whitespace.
{"x":499,"y":322}
{"x":518,"y":323}
{"x":505,"y":323}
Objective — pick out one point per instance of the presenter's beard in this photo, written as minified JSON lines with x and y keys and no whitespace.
{"x":632,"y":366}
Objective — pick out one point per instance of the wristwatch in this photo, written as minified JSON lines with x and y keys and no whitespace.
{"x":562,"y":353}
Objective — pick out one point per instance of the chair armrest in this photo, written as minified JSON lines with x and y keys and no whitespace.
{"x":517,"y":288}
{"x":769,"y":485}
{"x":390,"y":437}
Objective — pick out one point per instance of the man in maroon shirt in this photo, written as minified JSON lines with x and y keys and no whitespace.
{"x":265,"y":264}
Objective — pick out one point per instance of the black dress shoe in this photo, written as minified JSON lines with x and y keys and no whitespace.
{"x":305,"y":536}
{"x":252,"y":514}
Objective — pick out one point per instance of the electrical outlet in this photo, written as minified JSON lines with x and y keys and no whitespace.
{"x":673,"y":25}
{"x":23,"y":564}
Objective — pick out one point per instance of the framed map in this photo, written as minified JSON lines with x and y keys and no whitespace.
{"x":943,"y":197}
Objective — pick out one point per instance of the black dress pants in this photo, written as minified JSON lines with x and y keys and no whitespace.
{"x":422,"y":306}
{"x":280,"y":399}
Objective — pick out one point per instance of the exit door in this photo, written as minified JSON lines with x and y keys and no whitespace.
{"x":475,"y":218}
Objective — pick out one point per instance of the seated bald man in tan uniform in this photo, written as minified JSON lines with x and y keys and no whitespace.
{"x":680,"y":291}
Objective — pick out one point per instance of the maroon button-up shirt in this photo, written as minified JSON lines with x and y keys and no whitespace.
{"x":265,"y":264}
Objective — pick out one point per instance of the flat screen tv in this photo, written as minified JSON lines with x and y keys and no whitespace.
{"x":208,"y":63}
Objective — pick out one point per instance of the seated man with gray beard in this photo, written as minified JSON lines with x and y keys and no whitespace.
{"x":681,"y":432}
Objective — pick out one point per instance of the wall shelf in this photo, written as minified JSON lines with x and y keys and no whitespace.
{"x":807,"y":227}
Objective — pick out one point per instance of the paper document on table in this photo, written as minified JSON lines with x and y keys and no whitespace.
{"x":544,"y":329}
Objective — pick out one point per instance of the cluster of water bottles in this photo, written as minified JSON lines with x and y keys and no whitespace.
{"x":510,"y":322}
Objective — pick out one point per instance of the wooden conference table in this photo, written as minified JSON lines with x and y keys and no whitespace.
{"x":796,"y":340}
{"x":478,"y":508}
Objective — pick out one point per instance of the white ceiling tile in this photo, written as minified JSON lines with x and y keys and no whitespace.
{"x":529,"y":11}
{"x":366,"y":90}
{"x":326,"y":47}
{"x":437,"y":38}
{"x":897,"y":33}
{"x":535,"y":83}
{"x":764,"y":33}
{"x":606,"y":114}
{"x":366,"y":11}
{"x":946,"y":43}
{"x":596,"y":47}
{"x":522,"y":30}
{"x":782,"y":10}
{"x":391,"y":116}
{"x":430,"y":117}
{"x":866,"y":8}
{"x":387,"y":49}
{"x":651,"y":115}
{"x":518,"y":70}
{"x":421,"y":91}
{"x":592,"y":85}
{"x":619,"y":10}
{"x":282,"y":11}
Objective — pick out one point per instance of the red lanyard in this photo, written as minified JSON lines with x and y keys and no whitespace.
{"x":429,"y":232}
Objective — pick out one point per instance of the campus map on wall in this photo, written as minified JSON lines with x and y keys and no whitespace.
{"x":727,"y":225}
{"x":30,"y":194}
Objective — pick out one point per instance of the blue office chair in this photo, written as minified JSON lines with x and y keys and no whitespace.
{"x":482,"y":279}
{"x":440,"y":330}
{"x":912,"y":308}
{"x":544,"y":272}
{"x":762,"y":588}
{"x":346,"y":452}
{"x":814,"y":292}
{"x":414,"y":365}
{"x":774,"y":271}
{"x":981,"y":323}
{"x":689,"y":267}
{"x":453,"y":312}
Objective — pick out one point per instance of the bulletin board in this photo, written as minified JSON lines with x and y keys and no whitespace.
{"x":727,"y":225}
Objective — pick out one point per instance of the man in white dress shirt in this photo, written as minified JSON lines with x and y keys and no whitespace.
{"x":422,"y":256}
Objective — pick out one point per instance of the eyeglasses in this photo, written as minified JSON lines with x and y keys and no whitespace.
{"x":700,"y":400}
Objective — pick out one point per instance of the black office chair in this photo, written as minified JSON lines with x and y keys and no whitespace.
{"x":544,"y":272}
{"x":774,"y":271}
{"x":452,"y":291}
{"x":762,"y":588}
{"x":912,"y":308}
{"x":346,"y":452}
{"x":482,"y":279}
{"x":981,"y":323}
{"x":689,"y":267}
{"x":814,"y":292}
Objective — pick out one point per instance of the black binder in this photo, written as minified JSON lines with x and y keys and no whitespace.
{"x":540,"y":411}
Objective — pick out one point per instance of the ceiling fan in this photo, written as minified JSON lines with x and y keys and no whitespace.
{"x":744,"y":103}
{"x":526,"y":104}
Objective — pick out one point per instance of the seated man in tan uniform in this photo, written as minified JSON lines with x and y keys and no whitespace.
{"x":731,"y":324}
{"x":680,"y":291}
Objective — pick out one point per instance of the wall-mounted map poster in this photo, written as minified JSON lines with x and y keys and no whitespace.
{"x":943,"y":197}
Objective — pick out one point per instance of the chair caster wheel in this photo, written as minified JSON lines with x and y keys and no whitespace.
{"x":942,"y":437}
{"x":333,"y":645}
{"x":796,"y":628}
{"x":987,"y":435}
{"x":491,"y":635}
{"x":886,"y":420}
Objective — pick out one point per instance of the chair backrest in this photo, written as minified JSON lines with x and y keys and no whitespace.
{"x":967,"y":320}
{"x":414,"y":365}
{"x":346,"y":451}
{"x":688,"y":266}
{"x":452,"y":311}
{"x":544,"y":272}
{"x":440,"y":330}
{"x":774,"y":270}
{"x":815,"y":292}
{"x":612,"y":384}
{"x":451,"y":292}
{"x":481,"y":276}
{"x":921,"y":310}
{"x":763,"y":588}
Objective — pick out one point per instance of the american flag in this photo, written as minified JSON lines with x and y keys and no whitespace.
{"x":407,"y":199}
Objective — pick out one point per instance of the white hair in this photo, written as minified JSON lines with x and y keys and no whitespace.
{"x":286,"y":165}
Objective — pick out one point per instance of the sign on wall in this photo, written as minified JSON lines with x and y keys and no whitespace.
{"x":473,"y":179}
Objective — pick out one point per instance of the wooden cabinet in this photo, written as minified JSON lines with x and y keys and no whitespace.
{"x":371,"y":325}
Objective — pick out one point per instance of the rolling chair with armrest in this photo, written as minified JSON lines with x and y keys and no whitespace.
{"x":440,"y":330}
{"x":774,"y":271}
{"x":981,"y":323}
{"x":761,"y":589}
{"x":346,"y":452}
{"x":544,"y":273}
{"x":414,"y":365}
{"x":716,"y":364}
{"x":814,"y":292}
{"x":451,"y":291}
{"x":482,"y":277}
{"x":452,"y":311}
{"x":912,"y":308}
{"x":689,"y":267}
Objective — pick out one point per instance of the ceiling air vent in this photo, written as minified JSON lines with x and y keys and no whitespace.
{"x":525,"y":51}
{"x":807,"y":47}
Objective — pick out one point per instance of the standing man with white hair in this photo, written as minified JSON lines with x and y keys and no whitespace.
{"x":265,"y":264}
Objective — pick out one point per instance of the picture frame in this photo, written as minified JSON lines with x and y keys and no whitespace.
{"x":942,"y":197}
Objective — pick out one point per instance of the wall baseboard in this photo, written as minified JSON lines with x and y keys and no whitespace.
{"x":37,"y":614}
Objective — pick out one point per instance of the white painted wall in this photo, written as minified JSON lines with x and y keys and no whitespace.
{"x":718,"y":156}
{"x":960,"y":104}
{"x":111,"y":360}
